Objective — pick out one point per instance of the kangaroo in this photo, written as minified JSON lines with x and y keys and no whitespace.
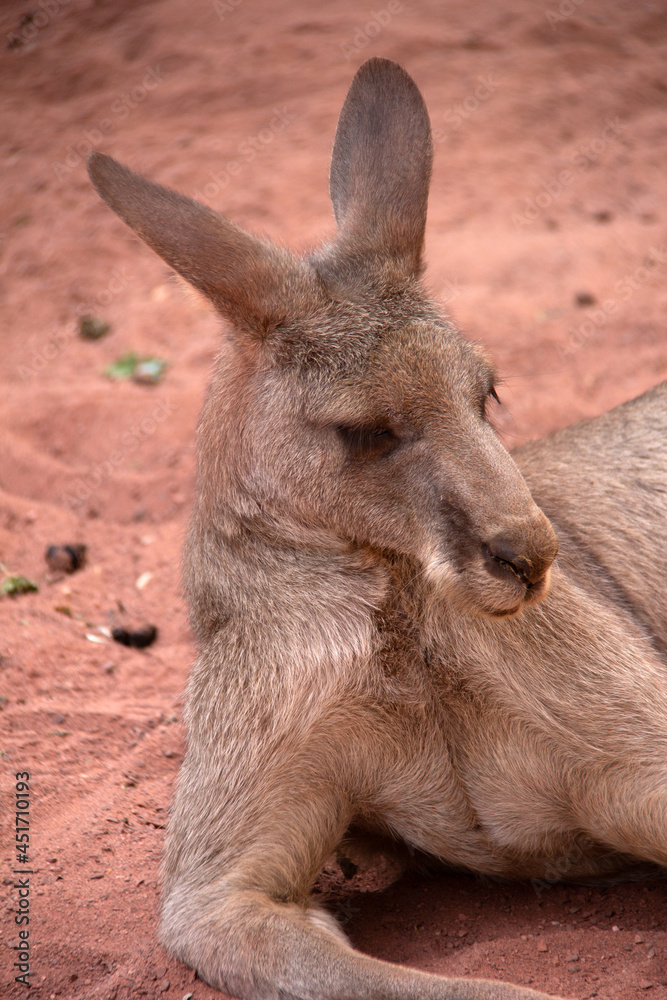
{"x":388,"y":645}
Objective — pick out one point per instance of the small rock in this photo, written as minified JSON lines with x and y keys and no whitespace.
{"x":582,"y":299}
{"x":164,"y":985}
{"x":542,"y":946}
{"x":160,"y":292}
{"x":58,"y":719}
{"x":138,"y":638}
{"x":65,"y":558}
{"x":644,"y":984}
{"x":92,"y":327}
{"x":639,"y":939}
{"x":148,"y":371}
{"x":572,"y":957}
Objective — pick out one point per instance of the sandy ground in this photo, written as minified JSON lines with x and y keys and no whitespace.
{"x":547,"y":240}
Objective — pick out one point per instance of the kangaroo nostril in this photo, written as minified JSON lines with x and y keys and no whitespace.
{"x":502,"y":559}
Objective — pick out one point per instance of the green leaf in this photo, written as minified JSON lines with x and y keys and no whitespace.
{"x":122,"y":367}
{"x":12,"y":586}
{"x":145,"y":370}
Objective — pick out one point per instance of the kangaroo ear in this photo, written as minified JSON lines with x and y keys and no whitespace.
{"x":254,"y":283}
{"x":381,"y":166}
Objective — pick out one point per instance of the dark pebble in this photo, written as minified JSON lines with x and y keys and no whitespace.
{"x":138,"y":638}
{"x":92,"y":327}
{"x":65,"y":558}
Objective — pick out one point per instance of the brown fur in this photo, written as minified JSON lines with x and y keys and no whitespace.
{"x":385,"y":640}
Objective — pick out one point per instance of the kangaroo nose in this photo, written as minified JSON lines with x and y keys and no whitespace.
{"x":528,"y":562}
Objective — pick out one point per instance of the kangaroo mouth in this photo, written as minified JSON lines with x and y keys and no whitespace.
{"x":506,"y":602}
{"x":505,"y":612}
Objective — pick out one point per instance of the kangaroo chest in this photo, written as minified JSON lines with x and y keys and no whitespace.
{"x":496,"y":755}
{"x":480,"y":788}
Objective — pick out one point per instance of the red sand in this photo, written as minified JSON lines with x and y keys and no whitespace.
{"x":549,"y":184}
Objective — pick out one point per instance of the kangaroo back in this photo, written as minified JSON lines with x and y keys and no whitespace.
{"x":603,"y":485}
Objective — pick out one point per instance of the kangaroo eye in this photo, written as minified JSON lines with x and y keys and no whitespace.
{"x":491,"y":395}
{"x":368,"y":442}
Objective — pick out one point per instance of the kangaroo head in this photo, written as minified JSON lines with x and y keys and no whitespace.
{"x":344,"y":406}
